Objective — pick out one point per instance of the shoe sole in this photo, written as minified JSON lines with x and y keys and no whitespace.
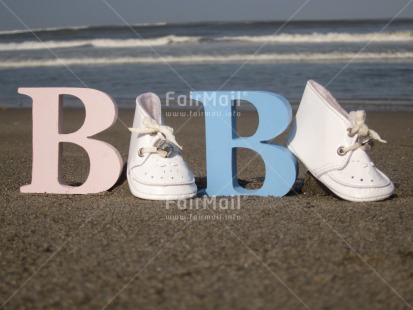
{"x":148,"y":196}
{"x":355,"y":199}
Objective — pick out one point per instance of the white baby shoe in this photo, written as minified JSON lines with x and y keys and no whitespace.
{"x":332,"y":144}
{"x":156,"y":169}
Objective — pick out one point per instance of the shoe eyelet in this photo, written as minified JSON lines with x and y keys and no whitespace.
{"x":140,"y":153}
{"x":340,"y":151}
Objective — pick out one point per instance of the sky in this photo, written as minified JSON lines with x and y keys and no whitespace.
{"x":15,"y":14}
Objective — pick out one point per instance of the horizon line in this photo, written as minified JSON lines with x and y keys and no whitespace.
{"x":161,"y":24}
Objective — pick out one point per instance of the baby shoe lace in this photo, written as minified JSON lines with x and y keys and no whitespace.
{"x":164,"y":147}
{"x":365,"y":134}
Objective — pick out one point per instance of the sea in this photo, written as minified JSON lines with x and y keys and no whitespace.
{"x":365,"y":64}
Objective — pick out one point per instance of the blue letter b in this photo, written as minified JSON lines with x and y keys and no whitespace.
{"x":222,"y":140}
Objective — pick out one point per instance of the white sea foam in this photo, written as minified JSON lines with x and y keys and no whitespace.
{"x":98,"y":43}
{"x":327,"y":37}
{"x":401,"y":36}
{"x":200,"y":59}
{"x":36,"y":45}
{"x":150,"y":24}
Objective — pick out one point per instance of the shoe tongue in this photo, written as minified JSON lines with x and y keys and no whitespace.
{"x":151,"y":105}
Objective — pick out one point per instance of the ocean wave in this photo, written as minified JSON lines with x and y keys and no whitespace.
{"x":401,"y":36}
{"x":52,"y":29}
{"x":98,"y":43}
{"x":201,"y":59}
{"x":331,"y":37}
{"x":150,"y":24}
{"x":75,"y":28}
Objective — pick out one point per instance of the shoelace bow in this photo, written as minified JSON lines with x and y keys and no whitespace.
{"x":365,"y":134}
{"x":153,"y":127}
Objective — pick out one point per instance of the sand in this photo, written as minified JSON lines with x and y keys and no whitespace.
{"x":306,"y":250}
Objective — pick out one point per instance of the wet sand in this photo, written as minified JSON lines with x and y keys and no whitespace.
{"x":306,"y":250}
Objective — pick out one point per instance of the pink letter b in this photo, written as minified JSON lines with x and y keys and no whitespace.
{"x":105,"y":161}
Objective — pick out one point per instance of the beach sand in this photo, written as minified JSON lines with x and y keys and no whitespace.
{"x":307,"y":249}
